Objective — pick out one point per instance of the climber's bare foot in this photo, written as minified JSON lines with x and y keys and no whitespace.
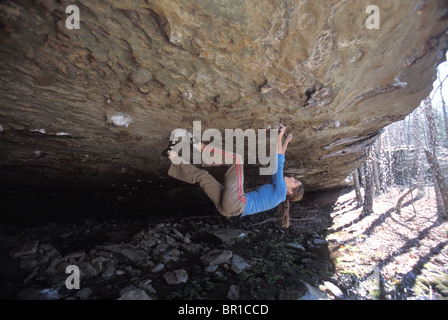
{"x":199,"y":146}
{"x":172,"y":155}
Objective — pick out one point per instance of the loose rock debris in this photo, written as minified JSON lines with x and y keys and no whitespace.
{"x":330,"y":251}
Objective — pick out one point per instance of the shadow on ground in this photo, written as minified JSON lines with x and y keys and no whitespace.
{"x":79,"y":228}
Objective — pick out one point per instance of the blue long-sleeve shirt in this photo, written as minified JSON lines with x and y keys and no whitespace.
{"x":267,"y":196}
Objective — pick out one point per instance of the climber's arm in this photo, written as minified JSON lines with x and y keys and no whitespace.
{"x":281,"y":147}
{"x":285,"y":144}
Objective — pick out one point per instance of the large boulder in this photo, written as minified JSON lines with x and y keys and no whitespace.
{"x":100,"y":101}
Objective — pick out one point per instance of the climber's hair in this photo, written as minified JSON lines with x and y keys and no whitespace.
{"x":283,"y":208}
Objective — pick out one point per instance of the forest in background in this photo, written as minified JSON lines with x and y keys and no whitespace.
{"x":411,"y":153}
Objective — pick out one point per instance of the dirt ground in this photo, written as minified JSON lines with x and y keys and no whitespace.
{"x":330,"y":251}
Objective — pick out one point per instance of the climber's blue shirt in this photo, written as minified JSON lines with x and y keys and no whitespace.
{"x":267,"y":196}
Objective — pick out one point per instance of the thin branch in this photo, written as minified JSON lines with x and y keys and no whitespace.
{"x":439,"y":86}
{"x":400,"y":201}
{"x":277,"y":219}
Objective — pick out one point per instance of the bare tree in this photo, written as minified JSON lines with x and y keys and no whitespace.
{"x":417,"y":168}
{"x":445,"y":117}
{"x":440,"y":183}
{"x":369,"y":187}
{"x":376,"y":174}
{"x":357,"y":186}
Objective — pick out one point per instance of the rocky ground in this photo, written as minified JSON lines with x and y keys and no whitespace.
{"x":330,"y":251}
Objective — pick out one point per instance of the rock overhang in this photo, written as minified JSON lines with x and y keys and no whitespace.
{"x":98,"y":104}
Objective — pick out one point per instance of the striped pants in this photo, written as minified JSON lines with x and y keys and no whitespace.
{"x":229,"y":199}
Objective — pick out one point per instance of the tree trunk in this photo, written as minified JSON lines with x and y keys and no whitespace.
{"x":388,"y":176}
{"x":381,"y":165}
{"x":440,"y":183}
{"x":369,"y":188}
{"x":445,"y":118}
{"x":417,"y":164}
{"x":376,"y":175}
{"x":357,"y":188}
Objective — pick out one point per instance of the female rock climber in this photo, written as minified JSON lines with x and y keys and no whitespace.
{"x":230,"y":199}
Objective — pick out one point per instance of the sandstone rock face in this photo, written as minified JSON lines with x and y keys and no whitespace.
{"x":102,"y":100}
